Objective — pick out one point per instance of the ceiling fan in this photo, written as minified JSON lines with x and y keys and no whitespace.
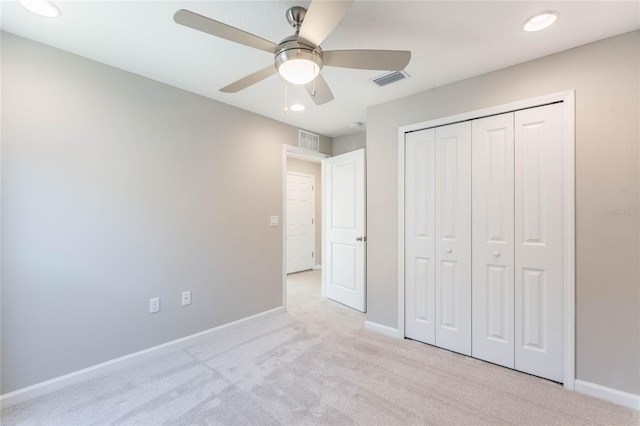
{"x":299,"y":58}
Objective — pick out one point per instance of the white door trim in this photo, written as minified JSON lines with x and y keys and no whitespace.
{"x":314,"y":157}
{"x":569,"y":210}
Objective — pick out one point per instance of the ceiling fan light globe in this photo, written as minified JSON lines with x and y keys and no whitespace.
{"x":297,"y":62}
{"x":299,"y":71}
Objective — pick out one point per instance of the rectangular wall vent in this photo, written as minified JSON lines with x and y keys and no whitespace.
{"x":389,"y":78}
{"x":308,"y":141}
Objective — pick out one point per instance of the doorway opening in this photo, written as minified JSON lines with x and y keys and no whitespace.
{"x":302,"y":223}
{"x":340,"y":252}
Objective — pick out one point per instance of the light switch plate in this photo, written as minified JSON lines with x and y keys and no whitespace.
{"x":275,"y":220}
{"x":186,"y":298}
{"x":154,"y":305}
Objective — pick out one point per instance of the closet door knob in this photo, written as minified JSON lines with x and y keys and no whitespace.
{"x":449,"y":250}
{"x":496,"y":254}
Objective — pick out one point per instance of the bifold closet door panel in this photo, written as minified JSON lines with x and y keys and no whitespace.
{"x":420,"y":268}
{"x":453,"y":237}
{"x":539,"y":288}
{"x":493,"y":239}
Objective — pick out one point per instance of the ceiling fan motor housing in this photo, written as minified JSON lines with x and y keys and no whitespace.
{"x":292,"y":48}
{"x":296,"y":48}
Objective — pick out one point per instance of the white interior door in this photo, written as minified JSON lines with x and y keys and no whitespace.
{"x":539,"y":248}
{"x":300,"y":222}
{"x":420,"y":268}
{"x":453,"y":237}
{"x":493,"y":240}
{"x":345,"y":237}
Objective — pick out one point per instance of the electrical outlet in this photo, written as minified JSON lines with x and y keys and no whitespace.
{"x":186,"y":298}
{"x":154,"y":305}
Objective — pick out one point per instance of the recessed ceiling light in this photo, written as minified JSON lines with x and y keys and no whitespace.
{"x":540,"y":21}
{"x":297,"y":107}
{"x":41,"y":7}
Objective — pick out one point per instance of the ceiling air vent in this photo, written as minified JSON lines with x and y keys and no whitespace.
{"x":386,"y":79}
{"x":308,"y":141}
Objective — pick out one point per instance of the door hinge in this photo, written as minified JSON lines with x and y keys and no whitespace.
{"x":313,"y":221}
{"x":313,"y":188}
{"x":311,"y":254}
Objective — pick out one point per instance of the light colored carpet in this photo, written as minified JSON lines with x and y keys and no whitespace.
{"x":315,"y":364}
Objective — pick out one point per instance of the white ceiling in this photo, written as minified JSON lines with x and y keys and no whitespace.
{"x":449,"y":41}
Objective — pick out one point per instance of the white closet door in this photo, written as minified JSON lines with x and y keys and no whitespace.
{"x":539,"y":245}
{"x":453,"y":237}
{"x":493,"y":240}
{"x":420,"y":154}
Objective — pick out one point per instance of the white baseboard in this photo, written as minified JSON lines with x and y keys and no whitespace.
{"x":315,"y":268}
{"x":617,"y":397}
{"x":106,"y":367}
{"x":384,"y":329}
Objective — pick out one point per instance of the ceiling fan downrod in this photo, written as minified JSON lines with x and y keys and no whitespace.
{"x":295,"y":16}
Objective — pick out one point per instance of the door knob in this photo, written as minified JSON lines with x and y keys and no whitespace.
{"x":361,"y":238}
{"x":496,"y":254}
{"x":449,"y":250}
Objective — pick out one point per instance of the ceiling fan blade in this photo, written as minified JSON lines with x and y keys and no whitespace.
{"x":249,"y":80}
{"x":322,"y":93}
{"x":386,"y":60}
{"x":321,"y":18}
{"x":218,"y":29}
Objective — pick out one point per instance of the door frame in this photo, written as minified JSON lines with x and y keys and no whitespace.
{"x":284,"y":224}
{"x":568,"y":100}
{"x":291,"y":151}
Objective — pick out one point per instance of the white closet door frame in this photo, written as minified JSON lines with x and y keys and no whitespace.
{"x":568,"y":103}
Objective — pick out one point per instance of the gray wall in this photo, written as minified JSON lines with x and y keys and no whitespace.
{"x":348,"y":143}
{"x":310,"y":168}
{"x":116,"y":189}
{"x":605,"y":76}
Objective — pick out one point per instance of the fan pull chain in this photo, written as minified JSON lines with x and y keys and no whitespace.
{"x":313,"y":91}
{"x":286,"y":100}
{"x":313,"y":88}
